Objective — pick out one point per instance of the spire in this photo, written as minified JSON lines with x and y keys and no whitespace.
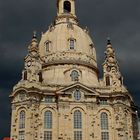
{"x":109,"y":50}
{"x":112,"y":75}
{"x":110,"y":57}
{"x":32,"y":69}
{"x":33,"y":46}
{"x":34,"y":35}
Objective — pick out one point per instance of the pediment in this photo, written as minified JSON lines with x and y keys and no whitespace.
{"x":85,"y":89}
{"x":25,"y":90}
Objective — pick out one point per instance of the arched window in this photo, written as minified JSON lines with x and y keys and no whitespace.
{"x":71,"y":44}
{"x":40,"y":77}
{"x":107,"y":81}
{"x":77,"y":95}
{"x":67,"y":7}
{"x":121,"y":80}
{"x":104,"y":121}
{"x":77,"y":125}
{"x":22,"y":120}
{"x":74,"y":75}
{"x":25,"y":75}
{"x":47,"y":45}
{"x":48,"y":125}
{"x":77,"y":119}
{"x":104,"y":126}
{"x":48,"y":120}
{"x":126,"y":122}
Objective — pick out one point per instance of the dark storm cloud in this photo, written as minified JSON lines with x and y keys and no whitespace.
{"x":4,"y":113}
{"x":118,"y":19}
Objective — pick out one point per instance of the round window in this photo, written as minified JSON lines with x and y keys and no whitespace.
{"x":77,"y":95}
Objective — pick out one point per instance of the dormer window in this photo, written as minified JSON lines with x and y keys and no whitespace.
{"x":74,"y":75}
{"x":71,"y":44}
{"x":67,"y":7}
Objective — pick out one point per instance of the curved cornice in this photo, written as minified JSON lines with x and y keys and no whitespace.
{"x":75,"y":58}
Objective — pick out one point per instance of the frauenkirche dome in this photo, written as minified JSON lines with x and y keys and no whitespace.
{"x":65,"y":48}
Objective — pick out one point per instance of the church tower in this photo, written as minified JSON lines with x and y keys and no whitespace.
{"x":112,"y":76}
{"x":60,"y":96}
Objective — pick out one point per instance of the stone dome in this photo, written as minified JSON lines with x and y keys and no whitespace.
{"x":58,"y":38}
{"x":67,"y":50}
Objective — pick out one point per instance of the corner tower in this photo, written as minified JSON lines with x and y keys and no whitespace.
{"x":111,"y":73}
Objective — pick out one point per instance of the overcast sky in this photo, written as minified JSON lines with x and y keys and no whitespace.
{"x":118,"y":19}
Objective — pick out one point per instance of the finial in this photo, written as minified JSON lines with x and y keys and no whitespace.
{"x":34,"y":35}
{"x":34,"y":39}
{"x":108,"y":41}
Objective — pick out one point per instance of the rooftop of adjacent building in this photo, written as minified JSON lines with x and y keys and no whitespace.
{"x":6,"y":138}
